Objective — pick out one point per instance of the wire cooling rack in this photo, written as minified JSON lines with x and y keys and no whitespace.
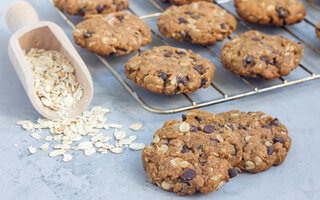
{"x":253,"y":87}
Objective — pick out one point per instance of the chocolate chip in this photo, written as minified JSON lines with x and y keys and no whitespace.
{"x":249,"y":59}
{"x":194,"y":129}
{"x":223,"y":26}
{"x":185,"y":182}
{"x":87,"y":34}
{"x":242,"y":128}
{"x":267,"y":61}
{"x":163,"y":76}
{"x":115,"y":54}
{"x":275,"y":122}
{"x":181,"y":53}
{"x":120,"y":18}
{"x":182,"y":20}
{"x":185,"y":34}
{"x":269,"y":150}
{"x":176,"y":90}
{"x":266,"y":126}
{"x":189,"y":174}
{"x":208,"y":129}
{"x":198,"y":69}
{"x":235,"y":150}
{"x":167,"y":55}
{"x":99,"y":8}
{"x":184,"y":117}
{"x":200,"y":147}
{"x":188,"y":13}
{"x":233,"y":172}
{"x":82,"y":11}
{"x":183,"y":81}
{"x":196,"y":16}
{"x":198,"y":119}
{"x":185,"y":149}
{"x":282,"y":14}
{"x":122,"y":49}
{"x":203,"y":82}
{"x":117,"y":5}
{"x":231,"y":127}
{"x":279,"y":139}
{"x":255,"y":39}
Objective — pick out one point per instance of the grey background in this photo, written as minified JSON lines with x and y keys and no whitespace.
{"x":25,"y":176}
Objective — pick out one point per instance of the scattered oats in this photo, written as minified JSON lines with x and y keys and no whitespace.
{"x":103,"y":151}
{"x":98,"y":144}
{"x":57,"y":152}
{"x":85,"y":145}
{"x":48,"y":138}
{"x":75,"y":148}
{"x":54,"y":79}
{"x":137,"y":146}
{"x":27,"y":125}
{"x":36,"y":136}
{"x":116,"y":150}
{"x":57,"y":138}
{"x":75,"y":137}
{"x":32,"y":150}
{"x":90,"y":151}
{"x":132,"y":137}
{"x":62,"y":146}
{"x":119,"y":134}
{"x":113,"y":126}
{"x":45,"y":146}
{"x":67,"y":157}
{"x":125,"y":141}
{"x":136,"y":126}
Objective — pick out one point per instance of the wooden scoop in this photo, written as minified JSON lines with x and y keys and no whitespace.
{"x":30,"y":33}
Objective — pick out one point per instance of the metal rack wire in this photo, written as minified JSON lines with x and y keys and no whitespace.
{"x":224,"y":97}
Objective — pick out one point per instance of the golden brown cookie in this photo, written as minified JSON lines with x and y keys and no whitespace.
{"x":265,"y":139}
{"x":89,"y":7}
{"x":183,"y":160}
{"x":181,"y":2}
{"x":112,"y":34}
{"x":200,"y":22}
{"x":271,"y":12}
{"x":257,"y":55}
{"x":170,"y":70}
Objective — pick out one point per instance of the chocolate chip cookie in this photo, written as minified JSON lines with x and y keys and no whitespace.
{"x":182,"y":160}
{"x":180,"y":2}
{"x":84,"y":7}
{"x":254,"y":54}
{"x":265,"y":139}
{"x":112,"y":34}
{"x":170,"y":70}
{"x":318,"y":30}
{"x":271,"y":12}
{"x":200,"y":22}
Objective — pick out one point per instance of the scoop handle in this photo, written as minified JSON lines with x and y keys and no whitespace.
{"x":20,"y":14}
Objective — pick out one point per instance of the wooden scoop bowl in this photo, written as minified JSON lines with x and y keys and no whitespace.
{"x":30,"y":33}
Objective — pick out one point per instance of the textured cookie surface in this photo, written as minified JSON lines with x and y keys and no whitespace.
{"x":265,"y":139}
{"x":256,"y":55}
{"x":84,"y":7}
{"x":200,"y":22}
{"x":180,"y":2}
{"x":271,"y":12}
{"x":170,"y":70}
{"x":112,"y":34}
{"x":318,"y":30}
{"x":182,"y":160}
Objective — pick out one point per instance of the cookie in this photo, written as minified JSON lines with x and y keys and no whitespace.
{"x":170,"y":70}
{"x":181,"y":160}
{"x":181,"y":2}
{"x":254,"y":54}
{"x":271,"y":12}
{"x":112,"y":34}
{"x":318,"y":30}
{"x":85,"y":7}
{"x":265,"y":139}
{"x":200,"y":22}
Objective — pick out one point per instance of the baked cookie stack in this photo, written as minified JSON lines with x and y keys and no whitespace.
{"x":202,"y":151}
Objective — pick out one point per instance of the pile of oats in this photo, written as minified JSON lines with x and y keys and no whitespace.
{"x":54,"y":79}
{"x":81,"y":133}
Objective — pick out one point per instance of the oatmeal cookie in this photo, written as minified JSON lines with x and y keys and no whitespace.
{"x":257,"y":55}
{"x":170,"y":70}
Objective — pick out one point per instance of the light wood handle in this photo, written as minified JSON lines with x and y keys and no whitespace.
{"x":20,"y":14}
